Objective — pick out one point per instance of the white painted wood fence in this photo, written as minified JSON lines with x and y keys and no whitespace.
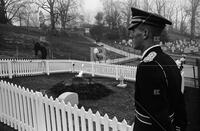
{"x":26,"y":110}
{"x":35,"y":67}
{"x":14,"y":68}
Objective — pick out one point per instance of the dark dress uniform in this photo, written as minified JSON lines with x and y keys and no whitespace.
{"x":36,"y":48}
{"x":160,"y":105}
{"x":159,"y":102}
{"x":44,"y":52}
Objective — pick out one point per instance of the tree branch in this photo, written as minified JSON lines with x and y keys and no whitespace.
{"x":16,"y":12}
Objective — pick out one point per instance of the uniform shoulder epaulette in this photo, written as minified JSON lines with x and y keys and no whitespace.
{"x":150,"y":57}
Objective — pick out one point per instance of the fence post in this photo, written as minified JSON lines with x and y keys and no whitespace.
{"x":73,"y":66}
{"x":47,"y":67}
{"x":198,"y":70}
{"x":182,"y":82}
{"x":40,"y":112}
{"x":9,"y":69}
{"x":92,"y":68}
{"x":193,"y":67}
{"x":117,"y":73}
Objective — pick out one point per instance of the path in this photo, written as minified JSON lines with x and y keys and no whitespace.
{"x":188,"y":69}
{"x":127,"y":55}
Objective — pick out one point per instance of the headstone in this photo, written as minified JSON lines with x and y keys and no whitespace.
{"x":80,"y":74}
{"x":71,"y":97}
{"x":121,"y":84}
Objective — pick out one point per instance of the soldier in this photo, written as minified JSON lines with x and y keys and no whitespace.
{"x":43,"y":51}
{"x":39,"y":47}
{"x":36,"y":48}
{"x":159,"y":102}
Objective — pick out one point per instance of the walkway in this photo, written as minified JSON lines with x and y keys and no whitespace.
{"x":188,"y":69}
{"x":127,"y":55}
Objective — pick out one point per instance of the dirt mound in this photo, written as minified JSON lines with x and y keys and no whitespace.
{"x":85,"y":90}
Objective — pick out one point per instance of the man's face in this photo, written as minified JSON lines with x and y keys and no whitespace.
{"x":137,"y":37}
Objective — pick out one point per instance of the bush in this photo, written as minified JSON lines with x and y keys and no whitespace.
{"x":97,"y":32}
{"x":112,"y":35}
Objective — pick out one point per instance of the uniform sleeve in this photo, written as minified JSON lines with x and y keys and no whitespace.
{"x":178,"y":101}
{"x":151,"y":90}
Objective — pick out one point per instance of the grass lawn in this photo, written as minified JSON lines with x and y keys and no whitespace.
{"x":18,"y":42}
{"x":120,"y":103}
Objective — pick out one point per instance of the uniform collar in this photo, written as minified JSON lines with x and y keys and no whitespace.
{"x":145,"y":52}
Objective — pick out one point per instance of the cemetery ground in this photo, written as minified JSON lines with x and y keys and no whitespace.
{"x":119,"y":103}
{"x":18,"y":42}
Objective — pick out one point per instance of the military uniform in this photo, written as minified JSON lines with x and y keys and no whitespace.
{"x":44,"y":52}
{"x":159,"y":101}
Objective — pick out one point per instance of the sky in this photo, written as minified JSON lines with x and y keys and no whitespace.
{"x":91,"y":7}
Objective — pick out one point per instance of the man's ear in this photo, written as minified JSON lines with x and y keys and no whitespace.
{"x":145,"y":33}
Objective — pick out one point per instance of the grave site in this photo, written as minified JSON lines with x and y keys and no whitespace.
{"x":34,"y":93}
{"x":99,"y":98}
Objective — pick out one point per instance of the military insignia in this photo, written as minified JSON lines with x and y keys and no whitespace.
{"x":150,"y":57}
{"x":178,"y":63}
{"x":156,"y":92}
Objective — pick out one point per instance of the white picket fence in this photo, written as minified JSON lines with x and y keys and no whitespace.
{"x":26,"y":110}
{"x":35,"y":67}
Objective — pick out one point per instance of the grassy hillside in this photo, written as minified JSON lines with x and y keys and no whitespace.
{"x":18,"y":42}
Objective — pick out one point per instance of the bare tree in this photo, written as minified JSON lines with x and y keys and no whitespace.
{"x":126,"y":10}
{"x":183,"y":17}
{"x":34,"y":19}
{"x":147,"y":5}
{"x":20,"y":16}
{"x":67,"y":11}
{"x":10,"y":8}
{"x":99,"y":18}
{"x":194,"y":4}
{"x":160,"y":7}
{"x":112,"y":13}
{"x":25,"y":14}
{"x":49,"y":6}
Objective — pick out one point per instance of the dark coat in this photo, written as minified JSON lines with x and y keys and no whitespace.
{"x":36,"y":48}
{"x":42,"y":49}
{"x":44,"y":52}
{"x":158,"y":92}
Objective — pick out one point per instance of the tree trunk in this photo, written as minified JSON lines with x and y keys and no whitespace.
{"x":52,"y":22}
{"x":63,"y":19}
{"x":3,"y":17}
{"x":193,"y":24}
{"x":20,"y":21}
{"x":52,"y":18}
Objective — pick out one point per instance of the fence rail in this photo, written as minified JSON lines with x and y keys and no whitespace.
{"x":26,"y":110}
{"x":14,"y":68}
{"x":35,"y":67}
